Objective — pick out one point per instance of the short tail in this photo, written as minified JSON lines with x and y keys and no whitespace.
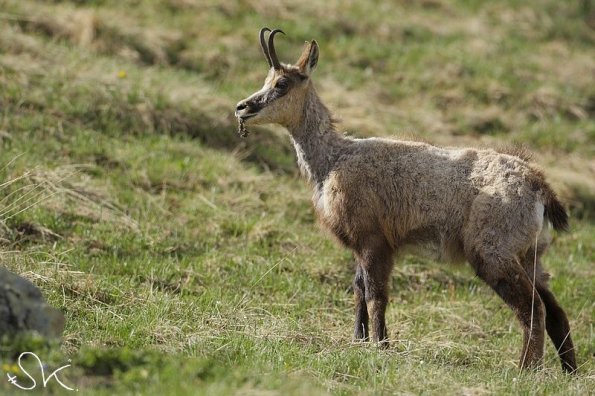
{"x":554,"y":211}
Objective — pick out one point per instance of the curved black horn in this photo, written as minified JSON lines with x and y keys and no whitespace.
{"x":272,"y":52}
{"x":263,"y":44}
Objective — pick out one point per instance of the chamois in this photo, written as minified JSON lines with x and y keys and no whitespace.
{"x":378,"y":196}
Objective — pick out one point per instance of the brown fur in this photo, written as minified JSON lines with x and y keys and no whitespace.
{"x":379,"y":197}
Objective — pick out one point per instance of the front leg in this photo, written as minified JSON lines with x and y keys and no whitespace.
{"x":360,"y":332}
{"x":376,"y":301}
{"x":376,"y":266}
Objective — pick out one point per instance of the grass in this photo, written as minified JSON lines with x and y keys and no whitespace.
{"x":187,"y":260}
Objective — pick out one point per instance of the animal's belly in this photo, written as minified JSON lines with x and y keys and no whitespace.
{"x":443,"y":248}
{"x":429,"y":250}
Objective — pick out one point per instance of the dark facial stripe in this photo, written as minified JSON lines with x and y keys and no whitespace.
{"x":282,"y":87}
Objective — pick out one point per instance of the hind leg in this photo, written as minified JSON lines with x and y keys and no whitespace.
{"x":558,"y":329}
{"x":556,"y":321}
{"x":503,"y":224}
{"x":360,"y":332}
{"x":508,"y":279}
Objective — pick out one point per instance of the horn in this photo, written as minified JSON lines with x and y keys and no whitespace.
{"x":272,"y":52}
{"x":263,"y":44}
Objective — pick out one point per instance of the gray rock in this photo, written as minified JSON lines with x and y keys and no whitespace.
{"x":22,"y":308}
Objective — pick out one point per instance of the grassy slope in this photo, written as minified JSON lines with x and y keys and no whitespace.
{"x":174,"y":248}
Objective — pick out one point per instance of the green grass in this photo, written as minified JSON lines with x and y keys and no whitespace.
{"x":188,"y":261}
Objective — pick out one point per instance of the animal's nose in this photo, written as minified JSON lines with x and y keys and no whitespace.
{"x":241,"y":106}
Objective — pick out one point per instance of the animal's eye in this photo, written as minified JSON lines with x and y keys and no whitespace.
{"x":281,"y":85}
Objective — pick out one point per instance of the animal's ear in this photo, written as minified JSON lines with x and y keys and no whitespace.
{"x":309,"y":58}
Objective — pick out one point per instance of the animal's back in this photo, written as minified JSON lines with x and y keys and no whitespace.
{"x":417,"y":194}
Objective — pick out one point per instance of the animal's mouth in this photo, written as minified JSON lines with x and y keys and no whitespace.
{"x":245,"y":117}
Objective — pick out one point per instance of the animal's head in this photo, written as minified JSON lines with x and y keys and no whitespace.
{"x":281,"y":99}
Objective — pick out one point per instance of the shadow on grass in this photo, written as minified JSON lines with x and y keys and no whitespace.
{"x":114,"y":112}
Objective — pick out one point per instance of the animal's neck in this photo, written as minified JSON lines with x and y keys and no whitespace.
{"x":316,"y":142}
